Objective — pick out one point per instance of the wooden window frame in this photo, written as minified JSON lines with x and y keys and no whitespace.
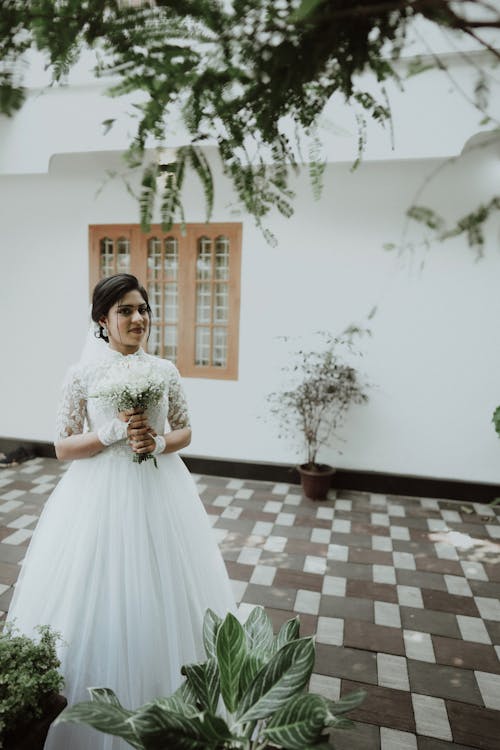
{"x":188,"y":244}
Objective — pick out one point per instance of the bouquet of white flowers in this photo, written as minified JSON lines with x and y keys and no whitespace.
{"x":132,"y":383}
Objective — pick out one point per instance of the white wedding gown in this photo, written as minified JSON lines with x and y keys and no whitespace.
{"x":123,"y":562}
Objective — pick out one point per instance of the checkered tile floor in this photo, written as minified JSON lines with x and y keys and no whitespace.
{"x":402,"y":594}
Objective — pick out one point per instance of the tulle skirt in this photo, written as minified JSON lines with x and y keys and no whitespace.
{"x":123,"y":563}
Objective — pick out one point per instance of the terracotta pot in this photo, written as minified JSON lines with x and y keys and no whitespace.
{"x":32,"y":736}
{"x":316,"y":482}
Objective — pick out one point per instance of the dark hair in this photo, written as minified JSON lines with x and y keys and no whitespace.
{"x":110,"y":290}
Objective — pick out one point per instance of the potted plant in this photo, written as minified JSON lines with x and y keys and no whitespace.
{"x":29,"y":688}
{"x":249,"y":694}
{"x":323,"y":388}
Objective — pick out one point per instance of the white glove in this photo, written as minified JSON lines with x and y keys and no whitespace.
{"x":160,"y":445}
{"x":112,"y":431}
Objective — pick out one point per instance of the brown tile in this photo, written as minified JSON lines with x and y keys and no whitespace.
{"x":493,"y":572}
{"x":369,"y":556}
{"x":355,"y":571}
{"x":420,"y":535}
{"x":473,"y":725}
{"x":430,"y":743}
{"x":429,"y":621}
{"x":465,"y":654}
{"x":485,"y":588}
{"x":436,"y":565}
{"x":294,"y":579}
{"x":370,"y":529}
{"x":292,"y":532}
{"x":5,"y":599}
{"x":238,"y":572}
{"x":11,"y":553}
{"x":270,"y":596}
{"x":371,"y":637}
{"x":417,"y":549}
{"x":360,"y":737}
{"x":381,"y":592}
{"x":253,"y":515}
{"x":282,"y":560}
{"x":351,"y":540}
{"x":382,"y":706}
{"x":493,"y":629}
{"x":312,"y":522}
{"x":302,"y":547}
{"x":308,"y":623}
{"x":421,"y":580}
{"x":441,"y":681}
{"x":8,"y":573}
{"x":347,"y":608}
{"x":351,"y":663}
{"x":213,"y":510}
{"x":237,"y":525}
{"x":441,"y":601}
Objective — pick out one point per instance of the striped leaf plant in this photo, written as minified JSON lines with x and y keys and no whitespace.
{"x":249,"y":694}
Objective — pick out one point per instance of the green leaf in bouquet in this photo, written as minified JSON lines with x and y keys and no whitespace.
{"x":348,"y":702}
{"x":211,"y":625}
{"x":103,"y":716}
{"x":205,"y":682}
{"x":289,"y":631}
{"x":231,"y":647}
{"x":299,"y":722}
{"x":259,"y":630}
{"x":285,"y":674}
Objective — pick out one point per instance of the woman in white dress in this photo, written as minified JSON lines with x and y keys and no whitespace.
{"x":123,"y":562}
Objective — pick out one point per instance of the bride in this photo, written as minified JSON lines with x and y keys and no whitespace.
{"x":123,"y":562}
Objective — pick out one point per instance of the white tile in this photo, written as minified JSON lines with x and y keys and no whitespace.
{"x":262,"y":528}
{"x":3,"y":588}
{"x":45,"y":479}
{"x":232,"y":511}
{"x":474,"y":570}
{"x":343,"y":504}
{"x":220,"y":534}
{"x":387,"y":614}
{"x":384,"y":574}
{"x":410,"y":596}
{"x":18,"y":537}
{"x":382,"y":543}
{"x":12,"y":495}
{"x":239,"y":588}
{"x":272,"y":506}
{"x":307,"y":602}
{"x":473,"y":629}
{"x":244,"y":610}
{"x":314,"y":564}
{"x":400,"y":532}
{"x":234,"y":484}
{"x":396,"y":510}
{"x":325,"y":514}
{"x":436,"y":524}
{"x":392,"y":671}
{"x":328,"y":687}
{"x":482,"y":509}
{"x":22,"y":522}
{"x":379,"y":519}
{"x":281,"y":489}
{"x":489,"y":685}
{"x":489,"y":608}
{"x":429,"y":504}
{"x":431,"y":718}
{"x":378,"y":500}
{"x":452,"y":516}
{"x":40,"y":489}
{"x":222,"y":501}
{"x":394,"y":739}
{"x":5,"y":482}
{"x":419,"y":646}
{"x":493,"y":531}
{"x":30,"y":469}
{"x":338,"y":552}
{"x":321,"y":536}
{"x":497,"y":649}
{"x":275,"y":543}
{"x":334,"y":586}
{"x":263,"y":575}
{"x":212,"y":520}
{"x":249,"y":556}
{"x":243,"y":494}
{"x":341,"y":526}
{"x":285,"y":519}
{"x":200,"y":488}
{"x":330,"y":630}
{"x":445,"y":551}
{"x":292,"y":500}
{"x":404,"y":560}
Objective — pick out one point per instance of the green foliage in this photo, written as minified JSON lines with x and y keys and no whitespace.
{"x":234,"y":70}
{"x":323,"y":388}
{"x":496,"y":420}
{"x":28,"y":676}
{"x":268,"y":705}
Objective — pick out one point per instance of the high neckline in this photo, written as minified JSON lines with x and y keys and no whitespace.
{"x":118,"y":355}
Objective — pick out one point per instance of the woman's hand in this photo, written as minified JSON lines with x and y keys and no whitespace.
{"x":139,"y":431}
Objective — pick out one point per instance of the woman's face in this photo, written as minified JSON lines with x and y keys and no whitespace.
{"x":127,"y":323}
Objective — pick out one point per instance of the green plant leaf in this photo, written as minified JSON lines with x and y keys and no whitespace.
{"x":231,"y":647}
{"x":299,"y":722}
{"x":253,"y":663}
{"x":286,"y":673}
{"x":103,"y":695}
{"x":183,"y":701}
{"x":348,"y":702}
{"x":205,"y":682}
{"x":289,"y":631}
{"x":211,"y":625}
{"x":496,"y":420}
{"x":159,"y":729}
{"x":105,"y":717}
{"x":259,"y":630}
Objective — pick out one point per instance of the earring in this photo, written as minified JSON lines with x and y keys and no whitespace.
{"x":105,"y":331}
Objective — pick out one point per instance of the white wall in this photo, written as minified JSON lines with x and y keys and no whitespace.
{"x":432,"y":359}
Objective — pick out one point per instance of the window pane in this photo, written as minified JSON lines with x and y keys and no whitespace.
{"x":154,"y":258}
{"x":153,"y":345}
{"x":107,"y":261}
{"x":219,"y":347}
{"x":202,"y":354}
{"x":204,"y":259}
{"x":154,"y":294}
{"x":222,"y":258}
{"x":123,"y":259}
{"x":171,"y":303}
{"x":170,"y":342}
{"x":203,"y":303}
{"x":171,"y":259}
{"x":221,"y":308}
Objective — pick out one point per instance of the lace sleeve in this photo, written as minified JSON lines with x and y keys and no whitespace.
{"x":178,"y":416}
{"x":71,"y":413}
